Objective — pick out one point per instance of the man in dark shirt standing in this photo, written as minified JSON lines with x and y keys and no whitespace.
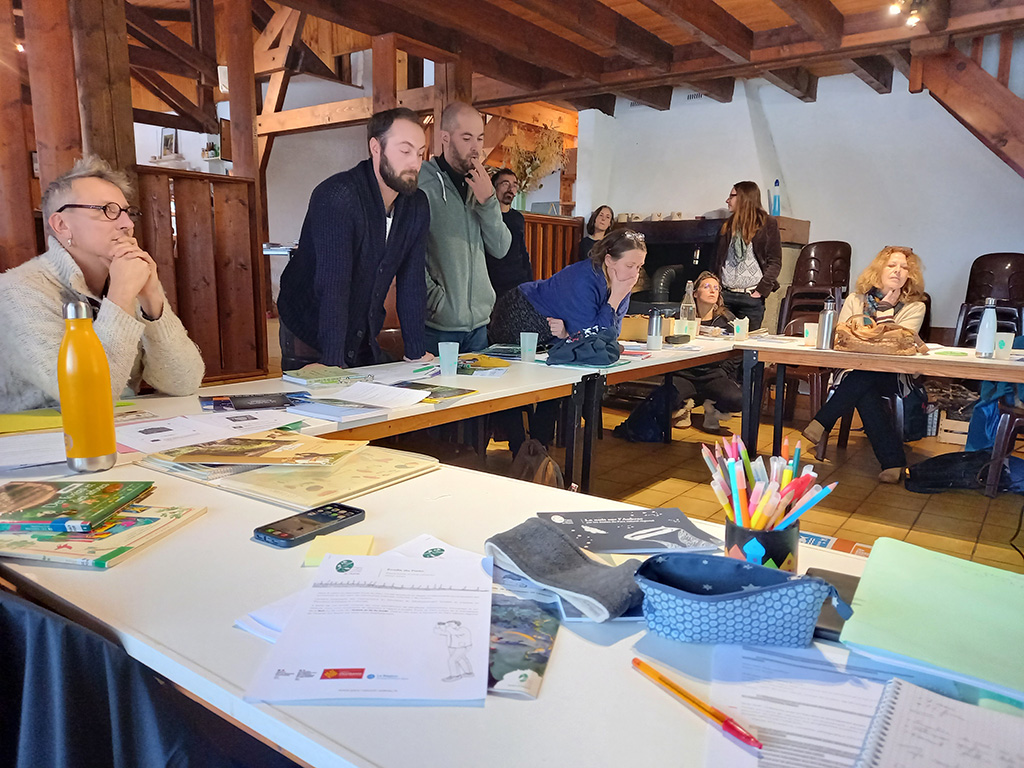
{"x":515,"y":268}
{"x":364,"y":228}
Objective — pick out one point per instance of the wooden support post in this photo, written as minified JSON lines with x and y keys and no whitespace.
{"x":204,"y":38}
{"x":385,"y":72}
{"x":100,"y":37}
{"x":242,"y":102}
{"x":51,"y":72}
{"x":17,"y":228}
{"x":1005,"y":55}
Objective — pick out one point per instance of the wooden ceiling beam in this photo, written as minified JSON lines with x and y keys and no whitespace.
{"x":876,"y":71}
{"x":494,"y":26}
{"x":706,"y":21}
{"x":167,"y":120}
{"x":720,"y":90}
{"x":819,"y":18}
{"x":540,"y":115}
{"x":603,"y":102}
{"x":900,"y":60}
{"x":659,"y":97}
{"x":159,"y":61}
{"x":372,"y":17}
{"x":308,"y":62}
{"x":795,"y":81}
{"x":144,"y":29}
{"x":597,"y":22}
{"x":174,"y":98}
{"x":166,"y":14}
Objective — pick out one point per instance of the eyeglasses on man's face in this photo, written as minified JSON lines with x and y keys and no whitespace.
{"x":111,"y":210}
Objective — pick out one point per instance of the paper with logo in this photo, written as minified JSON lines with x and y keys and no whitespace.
{"x":384,"y":628}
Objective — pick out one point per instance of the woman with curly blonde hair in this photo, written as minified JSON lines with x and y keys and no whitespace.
{"x":891,"y":289}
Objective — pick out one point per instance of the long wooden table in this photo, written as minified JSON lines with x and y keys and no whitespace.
{"x":172,"y":607}
{"x":962,"y":364}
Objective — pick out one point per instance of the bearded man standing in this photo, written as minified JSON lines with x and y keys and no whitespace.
{"x":465,"y":220}
{"x":364,"y":228}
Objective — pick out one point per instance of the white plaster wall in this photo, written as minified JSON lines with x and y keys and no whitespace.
{"x":873,"y":170}
{"x":301,"y":161}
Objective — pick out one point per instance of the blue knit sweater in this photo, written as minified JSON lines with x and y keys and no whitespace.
{"x":333,"y":289}
{"x":578,"y":296}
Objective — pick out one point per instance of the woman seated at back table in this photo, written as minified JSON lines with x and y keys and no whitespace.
{"x":586,"y":294}
{"x":714,"y":384}
{"x":891,"y":289}
{"x":598,"y":224}
{"x":92,"y":257}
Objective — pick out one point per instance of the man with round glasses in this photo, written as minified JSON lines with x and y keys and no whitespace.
{"x":91,"y":256}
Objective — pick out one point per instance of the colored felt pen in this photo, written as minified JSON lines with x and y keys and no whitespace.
{"x":796,"y":459}
{"x":741,"y":483}
{"x":716,"y":716}
{"x":747,"y":466}
{"x":709,"y":459}
{"x":759,"y":471}
{"x":732,"y":473}
{"x":792,"y":516}
{"x":758,"y":519}
{"x":424,"y":368}
{"x":723,"y":498}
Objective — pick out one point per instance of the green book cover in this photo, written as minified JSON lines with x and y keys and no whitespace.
{"x":935,"y":612}
{"x":121,"y":535}
{"x":37,"y":505}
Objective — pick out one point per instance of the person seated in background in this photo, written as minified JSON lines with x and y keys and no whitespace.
{"x":91,"y":256}
{"x":598,"y":224}
{"x":582,"y":295}
{"x":365,"y":227}
{"x":714,"y":384}
{"x":749,"y":255}
{"x":515,"y":269}
{"x":891,"y":289}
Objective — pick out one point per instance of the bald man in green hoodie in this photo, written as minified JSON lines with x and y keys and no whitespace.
{"x":465,"y":220}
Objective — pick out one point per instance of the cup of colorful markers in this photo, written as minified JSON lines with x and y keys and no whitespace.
{"x":762,"y":504}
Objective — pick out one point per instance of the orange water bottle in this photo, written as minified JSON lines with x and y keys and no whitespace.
{"x":86,"y":403}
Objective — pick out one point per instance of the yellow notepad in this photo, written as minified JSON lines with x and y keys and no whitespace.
{"x":336,"y":544}
{"x":27,"y":421}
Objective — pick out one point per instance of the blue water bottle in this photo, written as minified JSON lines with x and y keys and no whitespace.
{"x":777,"y":199}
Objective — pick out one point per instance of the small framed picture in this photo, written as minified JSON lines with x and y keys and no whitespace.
{"x":168,"y":142}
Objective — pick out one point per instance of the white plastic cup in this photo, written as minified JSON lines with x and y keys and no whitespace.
{"x":1004,"y":345}
{"x":741,"y":328}
{"x":448,"y":351}
{"x":527,"y":346}
{"x":810,"y":334}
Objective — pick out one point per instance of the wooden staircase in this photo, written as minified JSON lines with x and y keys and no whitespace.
{"x":981,"y":102}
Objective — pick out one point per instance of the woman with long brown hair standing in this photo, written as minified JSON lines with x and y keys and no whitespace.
{"x":749,"y":254}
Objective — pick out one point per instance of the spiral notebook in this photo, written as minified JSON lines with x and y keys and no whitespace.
{"x":915,"y":728}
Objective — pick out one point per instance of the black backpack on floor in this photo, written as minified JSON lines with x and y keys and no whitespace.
{"x":646,"y":423}
{"x":964,"y":469}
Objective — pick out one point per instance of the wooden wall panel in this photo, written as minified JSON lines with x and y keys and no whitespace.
{"x":155,"y":230}
{"x":552,"y":241}
{"x":197,"y":289}
{"x":234,"y":276}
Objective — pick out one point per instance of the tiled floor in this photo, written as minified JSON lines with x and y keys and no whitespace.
{"x":962,"y":523}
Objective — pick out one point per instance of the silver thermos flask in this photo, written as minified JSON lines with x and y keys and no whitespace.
{"x":827,"y":324}
{"x":654,"y":338}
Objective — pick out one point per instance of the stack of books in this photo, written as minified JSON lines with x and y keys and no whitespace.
{"x":94,"y":524}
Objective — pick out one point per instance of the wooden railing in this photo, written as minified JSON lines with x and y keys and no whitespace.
{"x":553,"y":242}
{"x":201,"y":231}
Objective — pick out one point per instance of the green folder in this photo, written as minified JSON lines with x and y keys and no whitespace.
{"x":938,"y":613}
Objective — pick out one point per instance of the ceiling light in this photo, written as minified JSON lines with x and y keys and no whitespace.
{"x":895,"y":9}
{"x":20,"y":47}
{"x":913,"y":19}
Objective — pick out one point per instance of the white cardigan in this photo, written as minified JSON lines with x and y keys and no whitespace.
{"x":32,"y":296}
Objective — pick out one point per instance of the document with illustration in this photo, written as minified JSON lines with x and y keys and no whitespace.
{"x":384,"y":628}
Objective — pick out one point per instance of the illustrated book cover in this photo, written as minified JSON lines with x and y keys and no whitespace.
{"x":64,"y":506}
{"x":272,"y":447}
{"x":124,"y":533}
{"x":634,"y":531}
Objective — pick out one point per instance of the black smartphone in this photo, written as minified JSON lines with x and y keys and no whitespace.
{"x":304,"y":526}
{"x":830,"y":623}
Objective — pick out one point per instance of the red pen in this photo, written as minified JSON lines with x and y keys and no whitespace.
{"x":718,"y":717}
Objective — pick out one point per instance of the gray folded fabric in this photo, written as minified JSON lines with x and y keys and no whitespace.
{"x":540,"y":551}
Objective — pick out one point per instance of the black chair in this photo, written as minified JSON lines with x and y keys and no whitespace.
{"x":998,"y":276}
{"x":1009,"y":319}
{"x":1011,"y":424}
{"x":825,"y":263}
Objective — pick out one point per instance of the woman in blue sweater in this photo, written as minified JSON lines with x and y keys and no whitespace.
{"x":588,"y":293}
